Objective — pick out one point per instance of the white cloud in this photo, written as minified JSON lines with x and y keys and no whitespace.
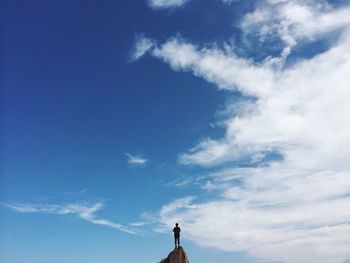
{"x":168,"y":218}
{"x":296,"y":209}
{"x":157,"y":4}
{"x":224,"y":69}
{"x":287,"y":232}
{"x":141,"y":47}
{"x":136,"y":159}
{"x":85,"y":211}
{"x":138,"y":224}
{"x":293,"y":21}
{"x":163,"y":4}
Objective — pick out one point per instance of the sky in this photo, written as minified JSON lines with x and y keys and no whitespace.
{"x":121,"y":118}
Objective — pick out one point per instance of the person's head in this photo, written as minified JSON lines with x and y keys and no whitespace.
{"x":177,"y":224}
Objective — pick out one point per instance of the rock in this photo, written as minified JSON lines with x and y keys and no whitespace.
{"x":178,"y":255}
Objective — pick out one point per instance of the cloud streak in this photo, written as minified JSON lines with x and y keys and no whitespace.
{"x":163,"y":4}
{"x":136,"y":159}
{"x":85,"y":211}
{"x":168,"y":4}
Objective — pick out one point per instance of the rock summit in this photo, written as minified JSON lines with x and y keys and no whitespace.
{"x":178,"y":255}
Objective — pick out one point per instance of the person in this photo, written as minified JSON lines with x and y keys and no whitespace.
{"x":177,"y":231}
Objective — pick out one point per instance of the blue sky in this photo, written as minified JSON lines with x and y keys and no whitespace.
{"x":120,"y":118}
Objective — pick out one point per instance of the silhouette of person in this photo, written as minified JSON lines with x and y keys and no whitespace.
{"x":177,"y":231}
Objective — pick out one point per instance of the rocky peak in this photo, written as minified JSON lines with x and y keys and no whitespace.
{"x":178,"y":255}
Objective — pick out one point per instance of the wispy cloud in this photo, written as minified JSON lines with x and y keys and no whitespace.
{"x":166,"y":4}
{"x":212,"y":125}
{"x":296,"y":209}
{"x":136,"y":159}
{"x":141,"y":47}
{"x":85,"y":211}
{"x":162,"y":4}
{"x":138,"y":224}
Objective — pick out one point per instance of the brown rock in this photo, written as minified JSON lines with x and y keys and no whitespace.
{"x":178,"y":255}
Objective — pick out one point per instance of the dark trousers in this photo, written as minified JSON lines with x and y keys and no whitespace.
{"x":177,"y":241}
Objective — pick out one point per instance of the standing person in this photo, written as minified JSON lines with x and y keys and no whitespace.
{"x":177,"y":231}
